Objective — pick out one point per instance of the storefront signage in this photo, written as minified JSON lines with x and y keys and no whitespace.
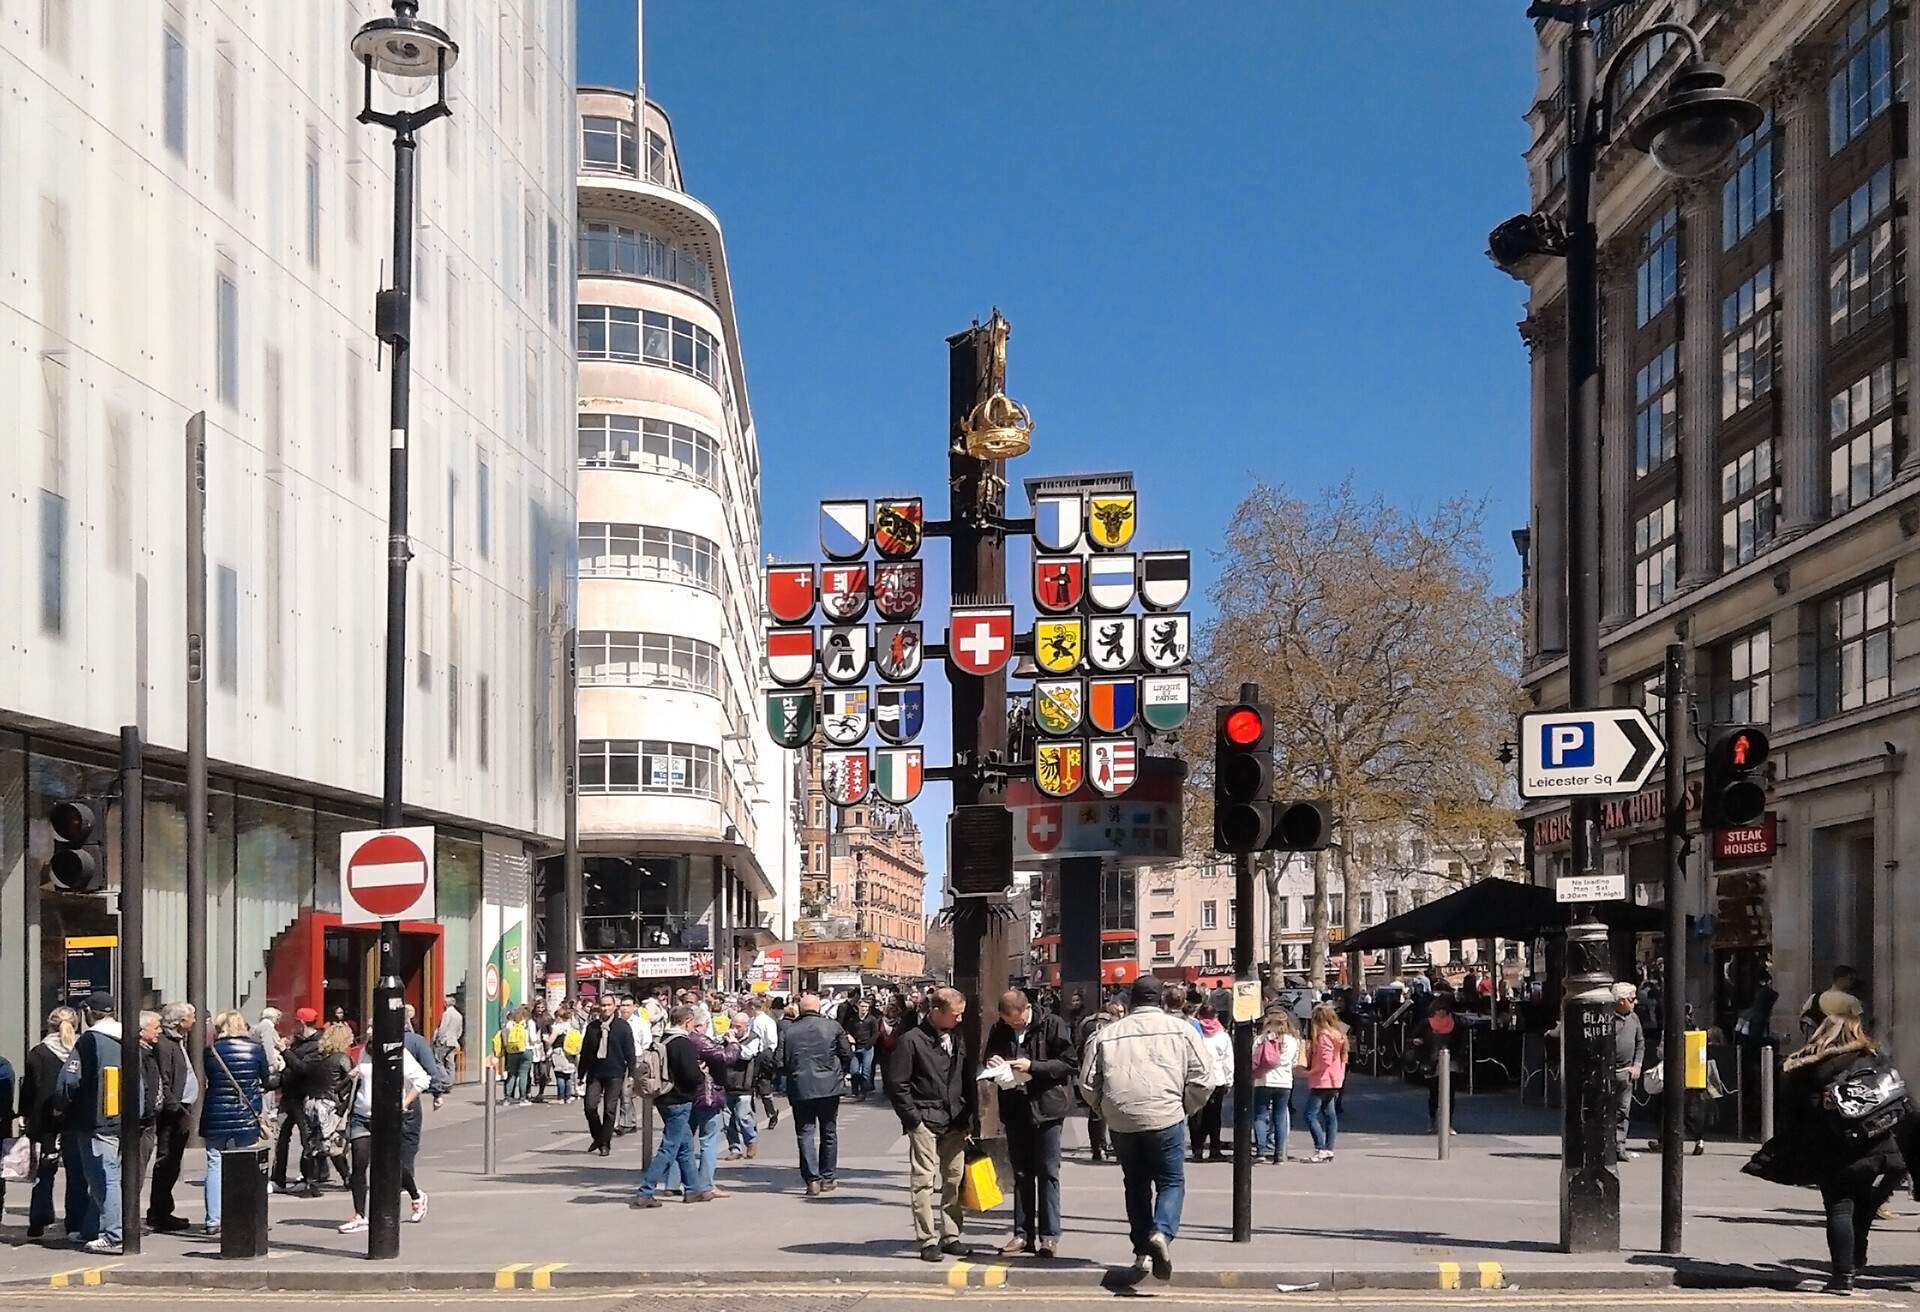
{"x":1746,"y":844}
{"x":831,"y":954}
{"x":1645,"y":808}
{"x":644,"y":965}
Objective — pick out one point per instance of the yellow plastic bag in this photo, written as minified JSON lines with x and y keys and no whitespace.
{"x":980,"y":1186}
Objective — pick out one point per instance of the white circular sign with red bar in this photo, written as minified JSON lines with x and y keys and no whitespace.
{"x":386,"y":874}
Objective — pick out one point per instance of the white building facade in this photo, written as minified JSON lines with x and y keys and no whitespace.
{"x":192,"y":220}
{"x":686,"y":811}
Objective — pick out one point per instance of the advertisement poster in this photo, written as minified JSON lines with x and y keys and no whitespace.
{"x":506,"y":985}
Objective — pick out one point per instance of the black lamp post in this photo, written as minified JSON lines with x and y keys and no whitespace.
{"x":410,"y":56}
{"x":1691,"y":133}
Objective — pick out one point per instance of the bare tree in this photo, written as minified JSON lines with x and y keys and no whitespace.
{"x":1390,"y":661}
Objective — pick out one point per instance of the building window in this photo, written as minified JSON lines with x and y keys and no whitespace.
{"x":1868,"y":261}
{"x":1865,"y":429}
{"x":453,"y":711}
{"x":1656,"y":554}
{"x":1366,"y":908}
{"x":1743,"y":679}
{"x":1865,"y":73}
{"x":1645,"y":57}
{"x":1656,"y":412}
{"x":173,"y":59}
{"x":614,"y":332}
{"x":1746,"y":505}
{"x":483,"y":720}
{"x":483,"y":509}
{"x":553,"y":272}
{"x":1233,"y":913}
{"x":1393,"y":903}
{"x":1657,"y":280}
{"x":1209,"y":915}
{"x":1282,"y":912}
{"x":655,"y":660}
{"x":1163,"y":947}
{"x":630,"y":442}
{"x":606,"y":144}
{"x":1336,"y":909}
{"x":610,"y":250}
{"x":657,"y":167}
{"x":645,"y":765}
{"x":1210,"y":958}
{"x":226,"y":110}
{"x":643,"y":551}
{"x":226,"y":628}
{"x":1856,"y":647}
{"x":313,"y":199}
{"x":1749,"y":348}
{"x":226,"y":326}
{"x":1747,"y":195}
{"x":53,"y":563}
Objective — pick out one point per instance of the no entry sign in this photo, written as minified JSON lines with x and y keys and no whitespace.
{"x":386,"y":874}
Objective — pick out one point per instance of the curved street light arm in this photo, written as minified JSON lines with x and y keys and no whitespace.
{"x":1603,"y":105}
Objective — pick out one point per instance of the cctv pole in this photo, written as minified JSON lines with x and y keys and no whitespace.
{"x":1589,"y":1183}
{"x":1673,"y":988}
{"x":132,"y":984}
{"x":197,"y":735}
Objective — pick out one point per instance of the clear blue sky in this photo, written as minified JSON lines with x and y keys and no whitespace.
{"x":1236,"y":241}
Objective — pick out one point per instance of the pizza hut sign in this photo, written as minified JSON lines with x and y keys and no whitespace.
{"x":1746,"y":844}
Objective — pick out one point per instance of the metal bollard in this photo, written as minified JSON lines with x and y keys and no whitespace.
{"x":1469,"y":1061}
{"x":1766,"y":1093}
{"x":646,"y":1129}
{"x":487,"y":1115}
{"x":1376,"y":1048}
{"x":1443,"y":1114}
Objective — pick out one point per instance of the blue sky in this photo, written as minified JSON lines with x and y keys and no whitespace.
{"x":1236,"y":241}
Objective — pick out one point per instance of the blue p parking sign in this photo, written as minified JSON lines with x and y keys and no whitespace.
{"x":1596,"y":753}
{"x":1566,"y":745}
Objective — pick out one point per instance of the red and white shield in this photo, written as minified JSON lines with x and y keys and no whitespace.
{"x":898,"y":587}
{"x":846,"y":776}
{"x":980,"y":638}
{"x":843,"y":592}
{"x":1058,"y":583}
{"x":1112,"y":764}
{"x":1045,"y":828}
{"x":790,"y":593}
{"x":790,"y":656}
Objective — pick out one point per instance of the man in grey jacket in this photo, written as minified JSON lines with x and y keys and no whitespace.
{"x":1144,"y":1075}
{"x":1629,"y":1057}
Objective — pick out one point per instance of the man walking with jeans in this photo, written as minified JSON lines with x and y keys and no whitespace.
{"x":1144,"y":1075}
{"x":687,"y":1087}
{"x":814,"y":1056}
{"x":606,"y":1062}
{"x":927,"y":1080}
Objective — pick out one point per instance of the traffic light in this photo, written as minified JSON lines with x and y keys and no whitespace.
{"x":79,"y":863}
{"x":1735,"y":791}
{"x":1300,"y":827}
{"x":1242,"y":777}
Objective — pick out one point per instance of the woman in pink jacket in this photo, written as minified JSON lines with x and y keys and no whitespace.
{"x":1326,"y":1074}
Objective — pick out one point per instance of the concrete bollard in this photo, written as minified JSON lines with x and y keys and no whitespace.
{"x":1766,"y":1093}
{"x":1443,"y":1114}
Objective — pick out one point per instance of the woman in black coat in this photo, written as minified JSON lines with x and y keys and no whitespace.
{"x":1441,"y":1037}
{"x":1854,"y":1161}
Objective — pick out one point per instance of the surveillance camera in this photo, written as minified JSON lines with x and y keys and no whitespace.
{"x":1522,"y":238}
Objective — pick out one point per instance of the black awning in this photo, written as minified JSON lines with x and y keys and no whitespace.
{"x":1492,"y":908}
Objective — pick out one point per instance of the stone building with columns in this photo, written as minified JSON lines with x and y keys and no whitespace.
{"x":1758,"y":493}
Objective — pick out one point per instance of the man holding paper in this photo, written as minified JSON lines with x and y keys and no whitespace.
{"x":1032,"y":1062}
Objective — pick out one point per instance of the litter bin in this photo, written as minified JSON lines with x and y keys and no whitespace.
{"x":243,"y":1201}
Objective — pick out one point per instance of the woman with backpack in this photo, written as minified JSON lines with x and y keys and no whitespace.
{"x":513,"y":1046}
{"x":1275,"y":1054}
{"x":1842,"y":1106}
{"x":563,"y":1050}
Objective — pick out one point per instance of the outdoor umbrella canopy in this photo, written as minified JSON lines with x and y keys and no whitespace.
{"x":1492,"y":908}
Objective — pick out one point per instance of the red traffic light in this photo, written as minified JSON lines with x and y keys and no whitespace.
{"x":1745,"y":750}
{"x":72,"y":822}
{"x":1243,"y":726}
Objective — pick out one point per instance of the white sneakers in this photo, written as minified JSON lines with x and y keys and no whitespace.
{"x":419,"y":1210}
{"x":353,"y":1225}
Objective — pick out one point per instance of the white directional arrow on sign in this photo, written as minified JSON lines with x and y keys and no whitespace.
{"x":1587,"y":753}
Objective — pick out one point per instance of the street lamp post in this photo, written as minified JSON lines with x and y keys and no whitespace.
{"x":1691,"y":133}
{"x":410,"y":56}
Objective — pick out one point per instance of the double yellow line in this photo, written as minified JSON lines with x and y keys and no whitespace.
{"x":539,"y":1277}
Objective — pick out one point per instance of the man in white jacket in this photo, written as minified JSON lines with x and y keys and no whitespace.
{"x":1145,"y":1074}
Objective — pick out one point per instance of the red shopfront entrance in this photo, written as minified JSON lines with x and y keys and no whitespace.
{"x":323,"y":964}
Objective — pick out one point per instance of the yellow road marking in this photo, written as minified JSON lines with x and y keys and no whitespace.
{"x":957,"y":1275}
{"x":992,"y":1277}
{"x":543,"y":1275}
{"x":1490,"y":1276}
{"x":504,"y":1278}
{"x":88,"y":1275}
{"x":1449,"y":1275}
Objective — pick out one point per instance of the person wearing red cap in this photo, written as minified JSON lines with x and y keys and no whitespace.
{"x":297,"y":1080}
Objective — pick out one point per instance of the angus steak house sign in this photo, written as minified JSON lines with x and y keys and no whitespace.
{"x":1644,"y":810}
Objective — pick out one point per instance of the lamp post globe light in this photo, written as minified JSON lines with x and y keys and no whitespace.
{"x":1690,"y":133}
{"x":409,"y":56}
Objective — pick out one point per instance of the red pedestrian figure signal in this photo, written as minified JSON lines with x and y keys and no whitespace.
{"x":1734,"y":787}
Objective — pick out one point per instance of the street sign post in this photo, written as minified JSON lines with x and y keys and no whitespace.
{"x":1587,"y":753}
{"x":386,"y":874}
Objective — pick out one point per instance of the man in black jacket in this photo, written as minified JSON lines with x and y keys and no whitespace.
{"x":1041,"y":1065}
{"x":179,"y":1090}
{"x":301,"y":1062}
{"x":606,"y":1062}
{"x":814,"y":1053}
{"x":929,"y":1085}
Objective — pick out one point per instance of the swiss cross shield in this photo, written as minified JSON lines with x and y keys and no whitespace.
{"x":897,"y":651}
{"x":1059,"y":767}
{"x":1112,"y":641}
{"x":897,"y":527}
{"x":790,"y":655}
{"x":790,"y":593}
{"x":843,"y":653}
{"x":1112,"y":704}
{"x":845,"y":776}
{"x":790,"y":717}
{"x":1058,"y":582}
{"x":1110,"y":582}
{"x":844,"y":718}
{"x":1165,"y":577}
{"x":1166,"y":642}
{"x":1059,"y":705}
{"x":900,"y":713}
{"x":1044,"y":828}
{"x":843,"y":592}
{"x":980,"y":638}
{"x":1112,"y":764}
{"x":1058,"y":645}
{"x":898,"y":773}
{"x":1164,"y":699}
{"x":898,"y":586}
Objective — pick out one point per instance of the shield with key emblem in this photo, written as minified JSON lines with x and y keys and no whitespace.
{"x":843,"y":592}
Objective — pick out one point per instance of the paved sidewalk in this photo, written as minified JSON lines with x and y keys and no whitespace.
{"x":1385,"y":1213}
